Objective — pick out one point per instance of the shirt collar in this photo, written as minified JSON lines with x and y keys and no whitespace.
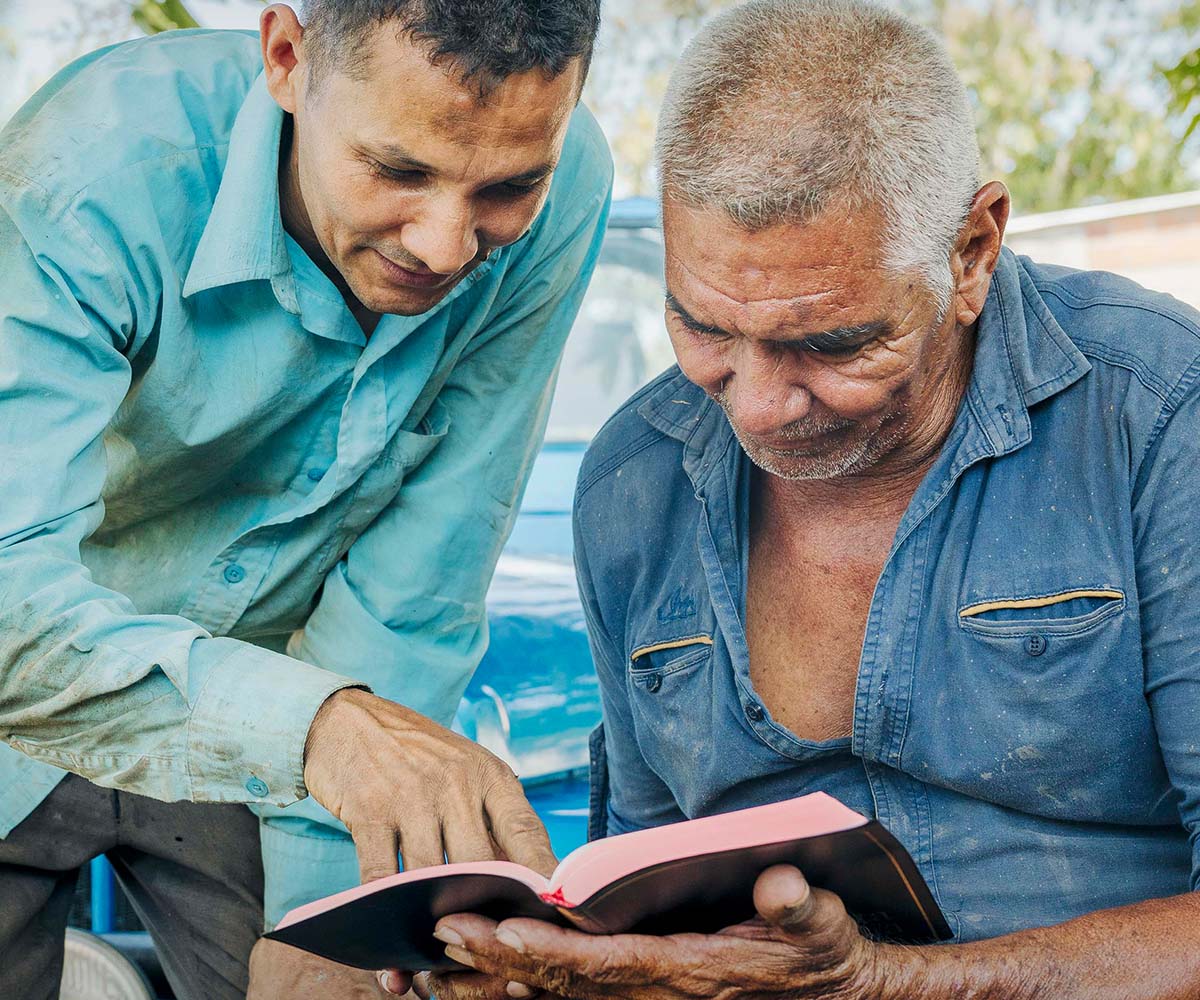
{"x":1022,"y":356}
{"x":243,"y":239}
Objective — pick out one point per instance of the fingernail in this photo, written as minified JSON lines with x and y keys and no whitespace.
{"x":510,"y":940}
{"x":389,"y":982}
{"x":460,"y":955}
{"x":448,"y":935}
{"x":519,"y":990}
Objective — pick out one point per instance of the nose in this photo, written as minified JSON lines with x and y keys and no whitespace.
{"x":443,"y":237}
{"x":762,"y":393}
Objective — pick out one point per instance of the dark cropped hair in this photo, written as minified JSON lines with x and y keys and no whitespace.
{"x":489,"y":39}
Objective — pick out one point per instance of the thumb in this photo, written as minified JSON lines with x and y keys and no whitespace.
{"x":783,"y":897}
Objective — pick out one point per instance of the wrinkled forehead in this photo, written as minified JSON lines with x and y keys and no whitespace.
{"x":819,"y":274}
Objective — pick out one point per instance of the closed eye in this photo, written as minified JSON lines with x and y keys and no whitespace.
{"x":394,"y":174}
{"x":836,"y":349}
{"x":514,"y":189}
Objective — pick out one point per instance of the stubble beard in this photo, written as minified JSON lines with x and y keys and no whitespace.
{"x":855,"y":455}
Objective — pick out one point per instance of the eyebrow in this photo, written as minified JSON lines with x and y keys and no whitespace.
{"x":398,"y":159}
{"x":817,"y":342}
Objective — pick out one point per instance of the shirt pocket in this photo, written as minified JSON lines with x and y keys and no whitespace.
{"x":1064,"y":614}
{"x":671,"y":692}
{"x":651,"y":665}
{"x":408,"y":449}
{"x":1017,"y":703}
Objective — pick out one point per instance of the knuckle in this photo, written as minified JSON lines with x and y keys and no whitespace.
{"x":560,"y":982}
{"x":523,"y":824}
{"x":370,"y":873}
{"x":607,"y":970}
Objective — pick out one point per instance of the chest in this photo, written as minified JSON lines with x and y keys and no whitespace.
{"x":806,"y":614}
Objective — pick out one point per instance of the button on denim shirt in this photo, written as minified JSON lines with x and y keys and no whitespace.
{"x":204,"y":463}
{"x":1027,"y":712}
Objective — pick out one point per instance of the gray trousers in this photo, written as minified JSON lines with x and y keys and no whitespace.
{"x":193,"y":873}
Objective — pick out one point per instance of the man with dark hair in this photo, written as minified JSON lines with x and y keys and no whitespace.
{"x":279,"y":322}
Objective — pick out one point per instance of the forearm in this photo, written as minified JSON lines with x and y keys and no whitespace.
{"x":1145,"y":951}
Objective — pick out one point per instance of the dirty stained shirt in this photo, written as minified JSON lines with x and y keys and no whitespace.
{"x":206,"y":467}
{"x":1027,"y":710}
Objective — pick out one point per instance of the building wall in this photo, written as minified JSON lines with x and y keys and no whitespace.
{"x":1154,"y":241}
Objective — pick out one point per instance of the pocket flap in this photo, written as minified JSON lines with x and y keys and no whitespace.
{"x":1023,"y":603}
{"x":660,"y":654}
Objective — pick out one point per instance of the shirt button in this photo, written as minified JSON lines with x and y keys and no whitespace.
{"x":653,"y":682}
{"x":1035,"y":645}
{"x":234,"y":573}
{"x":754,"y":712}
{"x":316,"y":475}
{"x":257,"y":787}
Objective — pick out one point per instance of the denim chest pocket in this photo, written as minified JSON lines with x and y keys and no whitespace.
{"x":1028,"y":679}
{"x":671,"y":696}
{"x":652,"y":664}
{"x":1035,"y":619}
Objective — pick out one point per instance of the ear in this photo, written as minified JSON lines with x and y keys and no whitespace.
{"x":977,"y":250}
{"x":284,"y":65}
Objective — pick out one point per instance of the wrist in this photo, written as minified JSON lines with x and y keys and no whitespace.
{"x":329,"y":729}
{"x":896,"y":972}
{"x":953,"y":972}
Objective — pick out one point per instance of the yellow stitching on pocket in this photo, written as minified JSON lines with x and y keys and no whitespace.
{"x":658,"y":647}
{"x":1036,"y":602}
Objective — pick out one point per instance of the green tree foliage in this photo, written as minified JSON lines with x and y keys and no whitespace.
{"x":1060,"y":129}
{"x":1184,"y":76}
{"x":153,"y":16}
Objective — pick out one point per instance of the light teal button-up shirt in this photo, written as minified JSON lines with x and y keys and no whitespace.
{"x":219,"y":502}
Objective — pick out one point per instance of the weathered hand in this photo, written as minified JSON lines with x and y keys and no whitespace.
{"x":403,"y":784}
{"x":469,"y":986}
{"x":803,"y":945}
{"x":279,"y":972}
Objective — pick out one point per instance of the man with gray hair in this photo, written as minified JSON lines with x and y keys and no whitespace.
{"x":913,"y":522}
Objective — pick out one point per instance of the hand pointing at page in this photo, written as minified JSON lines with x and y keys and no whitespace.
{"x":403,"y":784}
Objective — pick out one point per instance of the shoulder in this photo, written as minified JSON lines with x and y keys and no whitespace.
{"x":169,"y":95}
{"x":1115,"y":322}
{"x":582,"y":180}
{"x":586,"y":165}
{"x":629,"y":447}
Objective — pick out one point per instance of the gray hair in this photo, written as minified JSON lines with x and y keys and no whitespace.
{"x":781,"y":109}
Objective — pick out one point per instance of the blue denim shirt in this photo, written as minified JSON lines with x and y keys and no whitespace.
{"x":219,"y":502}
{"x":1027,"y":715}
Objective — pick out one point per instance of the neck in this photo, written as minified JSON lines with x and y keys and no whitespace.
{"x":298,"y":224}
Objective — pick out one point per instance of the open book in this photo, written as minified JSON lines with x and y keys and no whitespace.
{"x":692,"y":876}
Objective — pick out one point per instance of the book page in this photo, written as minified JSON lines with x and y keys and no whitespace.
{"x":590,"y":868}
{"x":503,"y":869}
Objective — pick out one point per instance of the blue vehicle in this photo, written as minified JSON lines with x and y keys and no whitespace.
{"x":534,"y":700}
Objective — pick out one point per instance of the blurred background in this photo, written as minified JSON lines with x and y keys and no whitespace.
{"x":1088,"y":109}
{"x":1078,"y":101}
